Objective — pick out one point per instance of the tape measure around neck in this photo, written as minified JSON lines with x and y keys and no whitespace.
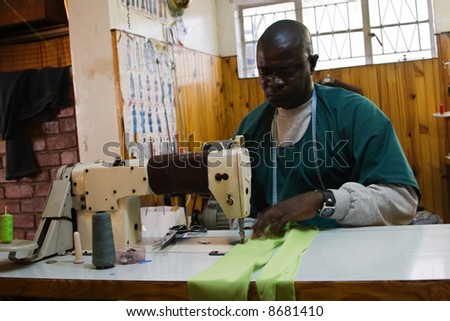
{"x":274,"y":148}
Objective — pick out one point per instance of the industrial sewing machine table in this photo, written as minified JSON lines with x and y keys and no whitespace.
{"x":368,"y":263}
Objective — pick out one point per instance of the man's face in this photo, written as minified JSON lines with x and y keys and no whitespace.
{"x":285,"y":75}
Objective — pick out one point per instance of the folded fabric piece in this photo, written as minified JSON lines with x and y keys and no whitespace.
{"x":228,"y":279}
{"x":276,"y":280}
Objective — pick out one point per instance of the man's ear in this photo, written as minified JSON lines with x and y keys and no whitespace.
{"x":312,"y":59}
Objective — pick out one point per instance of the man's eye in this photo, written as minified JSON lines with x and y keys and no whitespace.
{"x":288,"y":70}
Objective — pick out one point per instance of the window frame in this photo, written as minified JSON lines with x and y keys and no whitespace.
{"x":366,"y":29}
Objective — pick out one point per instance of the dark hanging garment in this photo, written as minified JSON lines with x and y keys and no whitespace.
{"x":25,"y":96}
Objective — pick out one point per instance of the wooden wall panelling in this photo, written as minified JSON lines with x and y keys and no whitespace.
{"x":416,"y":87}
{"x":239,"y":95}
{"x":199,"y":117}
{"x":50,"y":53}
{"x":443,"y":41}
{"x":230,"y":92}
{"x":437,"y":145}
{"x":370,"y":84}
{"x":401,"y":115}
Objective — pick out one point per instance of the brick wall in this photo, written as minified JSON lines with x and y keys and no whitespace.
{"x":55,"y":144}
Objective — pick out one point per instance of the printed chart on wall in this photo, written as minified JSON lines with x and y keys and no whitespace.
{"x":147,"y":85}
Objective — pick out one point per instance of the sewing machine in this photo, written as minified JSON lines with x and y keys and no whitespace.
{"x":81,"y":190}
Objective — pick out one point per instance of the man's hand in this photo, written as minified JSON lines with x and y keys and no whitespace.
{"x":273,"y":220}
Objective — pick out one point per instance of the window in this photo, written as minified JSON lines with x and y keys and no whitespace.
{"x":344,"y":32}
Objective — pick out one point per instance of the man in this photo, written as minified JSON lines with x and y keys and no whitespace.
{"x":321,"y":156}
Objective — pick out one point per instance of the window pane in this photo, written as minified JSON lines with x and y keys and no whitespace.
{"x":355,"y":14}
{"x":250,"y":55}
{"x":407,"y":11}
{"x":422,"y":9}
{"x":333,"y":25}
{"x":357,"y":44}
{"x":309,"y":20}
{"x":339,"y":46}
{"x":322,"y":19}
{"x":389,"y":12}
{"x":374,"y":13}
{"x":424,"y":32}
{"x":248,"y":36}
{"x":410,"y":38}
{"x":377,"y":44}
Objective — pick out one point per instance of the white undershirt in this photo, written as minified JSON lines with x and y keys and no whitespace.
{"x":292,"y":123}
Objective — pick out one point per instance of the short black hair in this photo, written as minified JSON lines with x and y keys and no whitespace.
{"x":294,"y":30}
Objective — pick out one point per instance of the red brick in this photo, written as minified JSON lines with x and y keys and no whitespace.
{"x":53,"y":173}
{"x":2,"y":146}
{"x":23,"y":221}
{"x":19,"y":235}
{"x":48,"y":159}
{"x":18,"y":191}
{"x":33,"y":205}
{"x":3,"y":176}
{"x":67,"y":124}
{"x":13,"y":206}
{"x":50,"y":127}
{"x":30,"y":235}
{"x":69,"y":157}
{"x":65,"y":112}
{"x":42,"y":189}
{"x":41,"y":176}
{"x":62,"y":141}
{"x":2,"y":192}
{"x":38,"y":144}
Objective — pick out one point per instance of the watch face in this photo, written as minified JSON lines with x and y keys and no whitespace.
{"x":327,"y":212}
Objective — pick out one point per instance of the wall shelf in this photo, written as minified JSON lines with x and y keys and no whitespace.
{"x":446,"y":114}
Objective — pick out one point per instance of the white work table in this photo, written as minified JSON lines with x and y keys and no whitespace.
{"x":369,"y":263}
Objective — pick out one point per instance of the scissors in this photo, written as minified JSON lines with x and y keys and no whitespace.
{"x":178,"y":230}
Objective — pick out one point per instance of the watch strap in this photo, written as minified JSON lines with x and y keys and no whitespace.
{"x":329,"y":204}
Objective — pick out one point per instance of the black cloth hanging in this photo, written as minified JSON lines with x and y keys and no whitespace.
{"x":25,"y":96}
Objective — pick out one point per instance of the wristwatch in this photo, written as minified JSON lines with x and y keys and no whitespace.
{"x":329,"y":204}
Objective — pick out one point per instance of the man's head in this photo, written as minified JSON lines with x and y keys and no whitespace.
{"x":285,"y":63}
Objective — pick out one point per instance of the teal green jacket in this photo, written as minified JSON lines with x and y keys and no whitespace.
{"x":355,"y":142}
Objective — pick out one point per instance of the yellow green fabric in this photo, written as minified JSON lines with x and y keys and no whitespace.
{"x":228,"y":279}
{"x":276,"y":280}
